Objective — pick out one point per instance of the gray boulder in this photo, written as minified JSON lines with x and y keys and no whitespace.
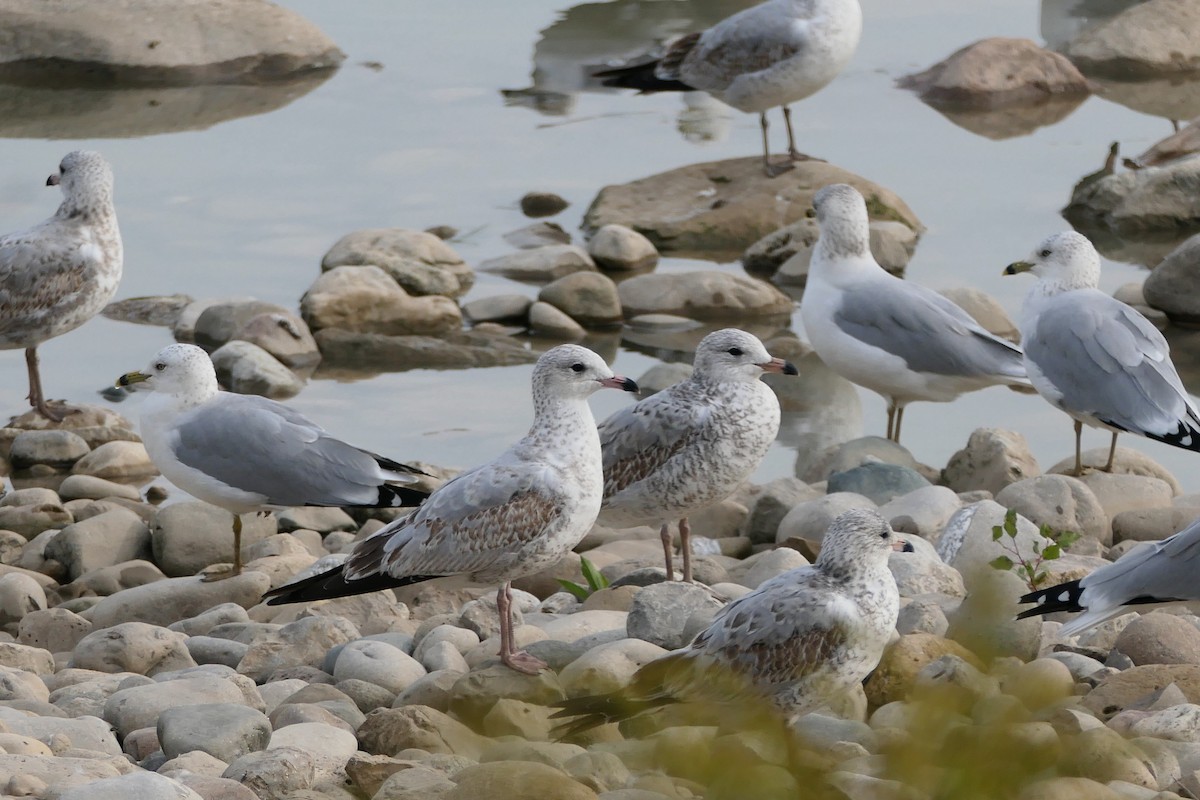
{"x":223,"y":730}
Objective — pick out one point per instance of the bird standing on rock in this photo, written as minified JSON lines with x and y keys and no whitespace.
{"x":60,"y":273}
{"x":769,"y":55}
{"x":511,"y":517}
{"x":246,"y":453}
{"x":693,"y":444}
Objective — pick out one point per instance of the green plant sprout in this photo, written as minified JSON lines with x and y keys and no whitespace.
{"x":1030,"y":569}
{"x":595,"y":581}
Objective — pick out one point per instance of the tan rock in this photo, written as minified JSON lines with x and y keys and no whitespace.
{"x":894,"y":677}
{"x":389,"y":730}
{"x":366,"y":299}
{"x":517,"y":780}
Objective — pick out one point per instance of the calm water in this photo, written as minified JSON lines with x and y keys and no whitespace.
{"x":248,"y":205}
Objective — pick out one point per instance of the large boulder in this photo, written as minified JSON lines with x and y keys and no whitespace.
{"x":367,"y":300}
{"x":1173,"y":287}
{"x":1153,"y":39}
{"x":420,"y":262}
{"x":723,"y":207}
{"x":704,"y":294}
{"x":1163,"y":200}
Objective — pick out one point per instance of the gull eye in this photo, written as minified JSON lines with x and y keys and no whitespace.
{"x":577,"y":367}
{"x":735,"y":351}
{"x":884,"y":535}
{"x":1045,"y":253}
{"x":159,"y":367}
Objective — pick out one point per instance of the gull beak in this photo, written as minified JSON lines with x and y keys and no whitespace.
{"x":1017,"y":267}
{"x":615,"y":382}
{"x":130,"y":378}
{"x":52,"y":180}
{"x":903,"y":546}
{"x":780,"y":366}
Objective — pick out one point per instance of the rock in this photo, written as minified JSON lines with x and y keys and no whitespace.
{"x":761,"y":567}
{"x":703,"y":294}
{"x":1169,"y":287}
{"x":992,"y":459}
{"x":379,"y":663}
{"x":879,"y":483}
{"x":1152,"y":524}
{"x":917,"y":574}
{"x":54,"y":629}
{"x":536,"y":234}
{"x":589,"y":298}
{"x":165,"y":601}
{"x":922,"y":512}
{"x":391,"y":730}
{"x":79,"y":487}
{"x":659,"y":613}
{"x":608,"y":667}
{"x":304,"y":641}
{"x":725,"y":206}
{"x":1152,"y":39}
{"x":810,"y":520}
{"x":474,"y":694}
{"x":542,"y":204}
{"x":315,"y":518}
{"x":856,"y":453}
{"x":985,"y":310}
{"x":55,"y":448}
{"x":366,"y":300}
{"x":153,"y":310}
{"x":618,"y":248}
{"x":223,"y":730}
{"x":498,"y":308}
{"x":134,"y":786}
{"x":546,"y":320}
{"x":31,"y":520}
{"x":966,"y":543}
{"x":117,"y":459}
{"x":284,"y":335}
{"x":516,"y":780}
{"x":420,"y":262}
{"x":774,"y":502}
{"x":189,"y":536}
{"x":273,"y":43}
{"x":141,"y":706}
{"x":277,"y":774}
{"x":985,"y":622}
{"x":1140,"y":202}
{"x":218,"y":322}
{"x":20,"y":595}
{"x":1103,"y":755}
{"x":100,"y":541}
{"x":246,"y":368}
{"x":922,"y":616}
{"x":26,"y":658}
{"x":373,"y":353}
{"x":415,"y":783}
{"x":211,"y":650}
{"x":1160,"y":639}
{"x":897,"y":671}
{"x":997,"y":72}
{"x":1063,"y":503}
{"x":131,"y":647}
{"x":1122,"y":689}
{"x":1121,"y":493}
{"x":1128,"y":462}
{"x":325,"y":742}
{"x":1179,"y":723}
{"x":541,"y":264}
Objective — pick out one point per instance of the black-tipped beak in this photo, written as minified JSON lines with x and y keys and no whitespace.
{"x":1018,"y":267}
{"x":780,"y":366}
{"x":620,"y":382}
{"x":130,"y":378}
{"x":52,"y":180}
{"x":903,"y":546}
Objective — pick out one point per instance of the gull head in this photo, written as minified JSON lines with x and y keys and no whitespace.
{"x":86,"y":181}
{"x":571,"y":371}
{"x":856,"y":539}
{"x":731,"y":354}
{"x":1064,"y":261}
{"x":842,"y":219}
{"x":181,"y":370}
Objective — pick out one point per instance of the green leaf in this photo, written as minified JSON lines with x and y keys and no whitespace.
{"x":1036,"y":545}
{"x":1052,"y":552}
{"x":997,"y":532}
{"x":1010,"y":523}
{"x":593,"y":576}
{"x":580,"y":592}
{"x":1039,"y":579}
{"x":1001,"y":562}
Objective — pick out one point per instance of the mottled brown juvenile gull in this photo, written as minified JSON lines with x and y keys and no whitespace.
{"x":1152,"y":574}
{"x":799,"y":640}
{"x":246,"y":453}
{"x":511,"y":517}
{"x":60,"y":273}
{"x":1095,"y":357}
{"x":693,"y":444}
{"x":889,"y":335}
{"x":769,"y":55}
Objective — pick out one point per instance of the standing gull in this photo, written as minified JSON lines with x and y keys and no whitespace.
{"x":60,"y":273}
{"x":1095,"y":357}
{"x":799,"y":640}
{"x":769,"y":55}
{"x":894,"y":337}
{"x":247,"y":453}
{"x":514,"y":516}
{"x":694,"y":443}
{"x":1153,"y":573}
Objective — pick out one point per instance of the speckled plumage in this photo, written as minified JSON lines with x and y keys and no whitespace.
{"x":799,"y":640}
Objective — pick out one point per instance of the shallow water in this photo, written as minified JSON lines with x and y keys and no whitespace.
{"x":249,"y":205}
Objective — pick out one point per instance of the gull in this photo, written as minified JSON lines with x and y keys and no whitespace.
{"x":891,"y":336}
{"x":246,"y":453}
{"x":60,"y":273}
{"x":799,"y":640}
{"x":693,"y":444}
{"x":1151,"y":574}
{"x":769,"y":55}
{"x":1095,"y":357}
{"x":511,"y":517}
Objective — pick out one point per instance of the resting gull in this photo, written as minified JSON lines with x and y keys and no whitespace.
{"x":889,"y":335}
{"x":799,"y":640}
{"x":60,"y":273}
{"x":769,"y":55}
{"x":514,"y":516}
{"x":1095,"y":357}
{"x":247,"y":453}
{"x":1153,"y":573}
{"x":692,"y":444}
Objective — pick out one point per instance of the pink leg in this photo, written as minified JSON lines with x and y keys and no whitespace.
{"x":685,"y":547}
{"x":36,"y":398}
{"x":518,"y":660}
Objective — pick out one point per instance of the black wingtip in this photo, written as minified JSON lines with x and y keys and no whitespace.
{"x":641,"y":77}
{"x":332,"y":584}
{"x":1185,"y":436}
{"x":1063,"y":597}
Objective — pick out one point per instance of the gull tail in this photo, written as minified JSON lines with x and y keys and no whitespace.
{"x":1186,"y":435}
{"x":398,"y":491}
{"x":332,"y":583}
{"x":1063,"y":597}
{"x":642,"y":77}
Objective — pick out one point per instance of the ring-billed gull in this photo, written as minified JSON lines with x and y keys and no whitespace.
{"x":508,"y":518}
{"x":769,"y":55}
{"x":799,"y":640}
{"x":60,"y":273}
{"x":891,"y":336}
{"x":693,"y":444}
{"x":246,"y":453}
{"x":1153,"y":573}
{"x":1095,"y":357}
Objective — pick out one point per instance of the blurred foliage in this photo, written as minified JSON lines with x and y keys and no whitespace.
{"x":1029,"y":568}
